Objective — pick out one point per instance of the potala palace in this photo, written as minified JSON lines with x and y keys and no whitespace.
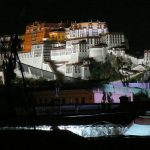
{"x":50,"y":49}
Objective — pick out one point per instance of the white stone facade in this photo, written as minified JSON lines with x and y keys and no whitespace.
{"x":115,"y":39}
{"x":98,"y":53}
{"x":118,"y":52}
{"x":86,"y":29}
{"x":147,"y":57}
{"x":135,"y":61}
{"x":34,"y":58}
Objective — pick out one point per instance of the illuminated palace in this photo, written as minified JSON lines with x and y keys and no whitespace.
{"x":54,"y":48}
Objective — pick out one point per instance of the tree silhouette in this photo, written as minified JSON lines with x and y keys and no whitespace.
{"x":9,"y":55}
{"x":10,"y":58}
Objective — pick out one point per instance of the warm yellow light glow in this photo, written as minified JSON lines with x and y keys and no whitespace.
{"x":57,"y":36}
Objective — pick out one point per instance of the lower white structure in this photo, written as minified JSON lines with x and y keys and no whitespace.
{"x":35,"y":59}
{"x":98,"y":52}
{"x":70,"y":61}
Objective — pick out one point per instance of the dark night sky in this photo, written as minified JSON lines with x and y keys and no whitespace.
{"x":129,"y":16}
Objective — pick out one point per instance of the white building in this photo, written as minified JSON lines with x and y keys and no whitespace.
{"x":147,"y":58}
{"x":86,"y":29}
{"x":98,"y":52}
{"x":84,"y":40}
{"x":115,"y":39}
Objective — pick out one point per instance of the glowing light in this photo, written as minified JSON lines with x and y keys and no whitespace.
{"x":96,"y":130}
{"x":138,"y":130}
{"x":100,"y":130}
{"x":40,"y":127}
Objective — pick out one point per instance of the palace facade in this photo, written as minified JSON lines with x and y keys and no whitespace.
{"x":61,"y":49}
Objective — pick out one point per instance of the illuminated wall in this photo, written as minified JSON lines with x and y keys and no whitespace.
{"x":98,"y":96}
{"x":78,"y":96}
{"x":115,"y":39}
{"x":86,"y":29}
{"x":138,"y":85}
{"x":98,"y":53}
{"x":147,"y":57}
{"x":36,"y":32}
{"x":115,"y":93}
{"x":57,"y":36}
{"x":117,"y":90}
{"x":27,"y":42}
